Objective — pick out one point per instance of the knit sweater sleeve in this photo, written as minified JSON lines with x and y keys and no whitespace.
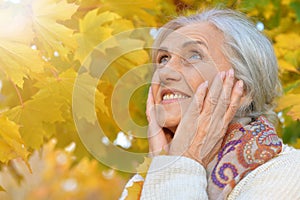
{"x":277,"y":179}
{"x":174,"y":177}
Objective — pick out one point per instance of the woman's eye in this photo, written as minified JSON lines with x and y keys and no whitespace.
{"x":163,"y":60}
{"x":195,"y":56}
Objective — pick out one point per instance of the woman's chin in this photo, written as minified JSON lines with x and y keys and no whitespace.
{"x":168,"y":117}
{"x":170,"y":124}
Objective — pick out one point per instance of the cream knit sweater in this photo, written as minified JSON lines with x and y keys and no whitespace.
{"x":172,"y":177}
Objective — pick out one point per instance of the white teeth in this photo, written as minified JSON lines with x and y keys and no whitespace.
{"x":174,"y":96}
{"x":165,"y":97}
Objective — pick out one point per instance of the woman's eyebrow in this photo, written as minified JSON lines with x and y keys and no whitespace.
{"x":195,"y":42}
{"x":162,"y":49}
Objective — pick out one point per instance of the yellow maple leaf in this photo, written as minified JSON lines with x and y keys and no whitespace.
{"x":143,"y":168}
{"x":34,"y":113}
{"x":11,"y":143}
{"x":128,"y":54}
{"x":93,"y":29}
{"x":295,"y":111}
{"x":286,"y":25}
{"x":55,"y":93}
{"x":269,"y":11}
{"x":133,"y":9}
{"x":297,"y":144}
{"x":51,"y":35}
{"x":291,"y":101}
{"x":2,"y":189}
{"x":189,"y":2}
{"x":120,"y":25}
{"x":134,"y":192}
{"x":85,"y":92}
{"x":285,"y":2}
{"x":54,"y":171}
{"x":17,"y":59}
{"x":290,"y":41}
{"x":286,"y":66}
{"x":62,"y":87}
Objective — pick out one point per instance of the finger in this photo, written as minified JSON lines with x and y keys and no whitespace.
{"x":236,"y":96}
{"x":150,"y":105}
{"x":191,"y":115}
{"x":157,"y":144}
{"x":200,"y":96}
{"x":198,"y":100}
{"x":218,"y":124}
{"x":150,"y":112}
{"x":149,"y":101}
{"x":218,"y":115}
{"x":225,"y":96}
{"x":186,"y":136}
{"x":214,"y":92}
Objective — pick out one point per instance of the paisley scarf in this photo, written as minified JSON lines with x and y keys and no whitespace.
{"x":244,"y":148}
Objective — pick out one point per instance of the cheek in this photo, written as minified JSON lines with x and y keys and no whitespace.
{"x":201,"y":73}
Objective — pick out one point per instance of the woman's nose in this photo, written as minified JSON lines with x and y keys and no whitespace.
{"x":170,"y":72}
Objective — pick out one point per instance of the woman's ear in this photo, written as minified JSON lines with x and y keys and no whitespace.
{"x":246,"y":103}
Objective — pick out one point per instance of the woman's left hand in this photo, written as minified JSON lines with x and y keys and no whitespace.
{"x":201,"y":131}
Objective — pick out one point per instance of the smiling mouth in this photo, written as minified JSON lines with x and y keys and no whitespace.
{"x":174,"y":96}
{"x":171,"y":96}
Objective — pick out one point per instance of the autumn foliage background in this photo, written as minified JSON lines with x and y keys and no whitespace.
{"x":44,"y":44}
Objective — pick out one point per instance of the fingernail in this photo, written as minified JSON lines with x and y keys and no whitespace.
{"x":222,"y":75}
{"x":231,"y":73}
{"x":204,"y":85}
{"x":240,"y":83}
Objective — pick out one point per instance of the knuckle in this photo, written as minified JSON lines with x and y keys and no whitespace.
{"x":233,"y":107}
{"x":208,"y":111}
{"x":198,"y":101}
{"x":229,"y":82}
{"x":201,"y":94}
{"x":212,"y":100}
{"x":226,"y":99}
{"x":238,"y":92}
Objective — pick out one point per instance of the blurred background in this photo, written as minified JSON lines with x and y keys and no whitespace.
{"x":45,"y":45}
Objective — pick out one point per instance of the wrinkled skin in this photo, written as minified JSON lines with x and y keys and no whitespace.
{"x":193,"y":96}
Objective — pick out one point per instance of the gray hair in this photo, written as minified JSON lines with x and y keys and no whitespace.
{"x":250,"y":53}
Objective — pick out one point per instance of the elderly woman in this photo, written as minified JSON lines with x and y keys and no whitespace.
{"x":210,"y":110}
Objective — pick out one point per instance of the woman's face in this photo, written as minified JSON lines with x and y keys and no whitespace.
{"x":186,"y":58}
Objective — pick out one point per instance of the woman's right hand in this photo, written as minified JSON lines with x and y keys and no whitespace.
{"x":157,"y":138}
